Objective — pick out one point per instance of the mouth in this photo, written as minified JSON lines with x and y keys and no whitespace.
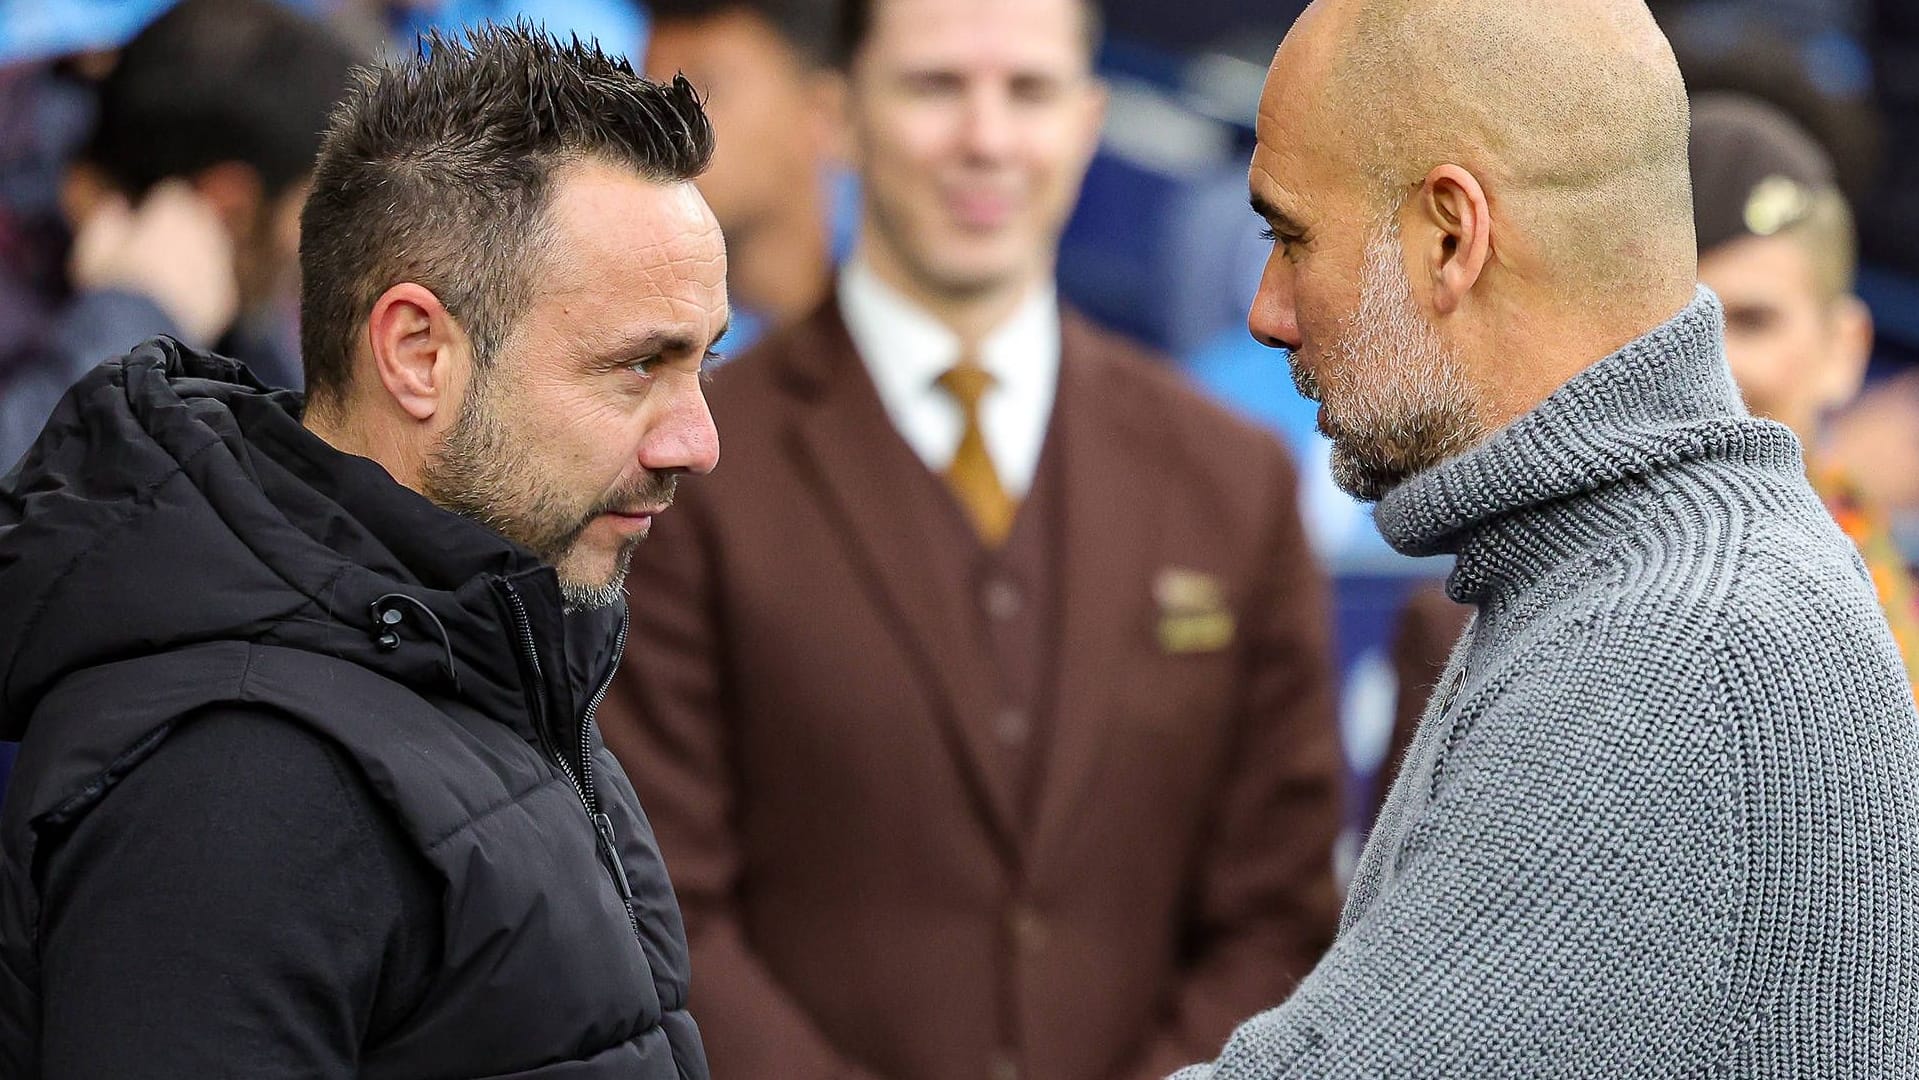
{"x":980,"y":209}
{"x":637,"y":520}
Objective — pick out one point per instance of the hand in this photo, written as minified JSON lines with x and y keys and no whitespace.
{"x":172,"y":249}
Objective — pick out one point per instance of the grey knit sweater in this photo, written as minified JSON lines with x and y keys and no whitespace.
{"x":1662,"y":817}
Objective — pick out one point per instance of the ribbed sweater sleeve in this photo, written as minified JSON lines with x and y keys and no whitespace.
{"x":1562,"y":900}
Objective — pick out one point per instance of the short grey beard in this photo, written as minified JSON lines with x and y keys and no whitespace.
{"x":472,"y":473}
{"x":1400,"y":403}
{"x":575,"y":597}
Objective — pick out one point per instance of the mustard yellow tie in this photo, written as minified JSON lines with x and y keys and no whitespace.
{"x":974,"y":480}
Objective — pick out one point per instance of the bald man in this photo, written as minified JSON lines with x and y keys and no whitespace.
{"x":1661,"y":817}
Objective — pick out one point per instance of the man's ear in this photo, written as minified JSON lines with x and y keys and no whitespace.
{"x":1099,"y":97}
{"x":1452,"y":207}
{"x":420,"y":353}
{"x":1848,"y":351}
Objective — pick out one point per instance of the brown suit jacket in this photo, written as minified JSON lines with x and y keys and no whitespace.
{"x":809,"y":720}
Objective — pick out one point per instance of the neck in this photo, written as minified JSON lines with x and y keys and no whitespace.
{"x":1554,"y":351}
{"x":783,"y":267}
{"x":1661,"y":404}
{"x":392,"y":454}
{"x":972,"y":314}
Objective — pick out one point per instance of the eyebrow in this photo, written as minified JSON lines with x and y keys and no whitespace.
{"x":1274,"y":216}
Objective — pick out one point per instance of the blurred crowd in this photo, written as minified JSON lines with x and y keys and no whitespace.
{"x":154,"y":158}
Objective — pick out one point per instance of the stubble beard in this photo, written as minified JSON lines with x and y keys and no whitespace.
{"x":1396,"y":398}
{"x":481,"y":470}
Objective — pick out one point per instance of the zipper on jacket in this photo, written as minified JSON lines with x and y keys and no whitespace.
{"x":602,"y":824}
{"x":579,"y":771}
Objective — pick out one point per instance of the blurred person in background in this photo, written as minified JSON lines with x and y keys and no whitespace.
{"x":1776,"y":242}
{"x":1610,"y":848}
{"x":185,"y":200}
{"x":764,"y":67}
{"x":310,"y":783}
{"x":1876,"y":441}
{"x":983,"y":700}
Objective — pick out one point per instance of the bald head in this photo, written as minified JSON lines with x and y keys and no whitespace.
{"x":1572,"y":113}
{"x":1472,"y":200}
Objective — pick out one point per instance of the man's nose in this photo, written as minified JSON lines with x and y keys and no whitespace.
{"x":1274,"y":319}
{"x":989,"y":129}
{"x":684,"y":440}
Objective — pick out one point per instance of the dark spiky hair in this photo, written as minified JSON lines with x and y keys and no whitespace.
{"x":438,"y":170}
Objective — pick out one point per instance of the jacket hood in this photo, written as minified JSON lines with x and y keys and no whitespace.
{"x":175,"y":500}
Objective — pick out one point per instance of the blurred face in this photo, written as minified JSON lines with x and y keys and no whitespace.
{"x":764,"y":104}
{"x":577,"y":434}
{"x":1394,"y":398}
{"x":1784,"y":350}
{"x":266,"y":234}
{"x":971,"y":123}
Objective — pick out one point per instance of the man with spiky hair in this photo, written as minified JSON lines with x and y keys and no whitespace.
{"x":310,"y":783}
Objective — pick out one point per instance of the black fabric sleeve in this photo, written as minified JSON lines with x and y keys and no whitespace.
{"x":238,"y":906}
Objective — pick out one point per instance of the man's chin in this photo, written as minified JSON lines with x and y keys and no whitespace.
{"x":972,"y":267}
{"x":575,"y":597}
{"x":587,"y":587}
{"x":589,"y":593}
{"x":1363,"y":478}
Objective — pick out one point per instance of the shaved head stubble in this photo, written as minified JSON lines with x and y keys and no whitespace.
{"x":1583,"y":160}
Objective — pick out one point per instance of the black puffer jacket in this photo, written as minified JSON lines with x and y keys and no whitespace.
{"x":177,"y":547}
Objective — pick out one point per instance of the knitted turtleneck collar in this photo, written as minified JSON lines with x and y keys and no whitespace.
{"x":1547,"y":486}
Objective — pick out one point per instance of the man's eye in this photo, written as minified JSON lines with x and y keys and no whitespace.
{"x":1036,"y":91}
{"x":934,"y":84}
{"x":646,"y":366}
{"x":1272,"y":236}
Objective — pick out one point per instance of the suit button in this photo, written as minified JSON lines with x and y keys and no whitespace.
{"x":1004,"y":1067}
{"x":1029,"y":929}
{"x":1002,"y":599}
{"x":1013,"y":728}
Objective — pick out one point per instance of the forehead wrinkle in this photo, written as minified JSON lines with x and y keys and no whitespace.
{"x":1265,"y":189}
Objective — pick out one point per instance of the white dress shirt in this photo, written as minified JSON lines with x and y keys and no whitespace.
{"x":906,"y":350}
